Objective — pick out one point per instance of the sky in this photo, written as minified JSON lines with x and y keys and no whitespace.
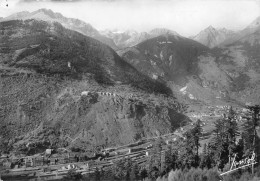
{"x":187,"y":17}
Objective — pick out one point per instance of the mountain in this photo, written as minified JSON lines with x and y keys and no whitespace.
{"x":122,"y":39}
{"x":162,"y":31}
{"x":17,"y":15}
{"x":131,"y":38}
{"x":227,"y":74}
{"x":50,"y":48}
{"x":198,"y":74}
{"x":60,"y":88}
{"x":240,"y":59}
{"x":134,"y":39}
{"x":70,"y":23}
{"x":179,"y":61}
{"x":126,"y":39}
{"x":212,"y":37}
{"x":252,"y":28}
{"x":166,"y":56}
{"x":255,"y":25}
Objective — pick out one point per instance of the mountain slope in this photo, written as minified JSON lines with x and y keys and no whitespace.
{"x":187,"y":66}
{"x":212,"y":37}
{"x":199,"y":74}
{"x":70,"y":23}
{"x":58,"y":85}
{"x":254,"y":26}
{"x":240,"y":60}
{"x":250,"y":29}
{"x":168,"y":57}
{"x":50,"y":48}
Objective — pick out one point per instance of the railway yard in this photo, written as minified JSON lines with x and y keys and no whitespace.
{"x":55,"y":166}
{"x":45,"y":168}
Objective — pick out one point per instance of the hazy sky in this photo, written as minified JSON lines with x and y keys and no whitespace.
{"x":187,"y":17}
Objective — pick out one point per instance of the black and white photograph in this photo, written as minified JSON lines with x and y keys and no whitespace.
{"x":130,"y":90}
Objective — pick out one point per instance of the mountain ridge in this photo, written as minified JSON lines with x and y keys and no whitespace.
{"x":253,"y":27}
{"x":210,"y":36}
{"x":131,"y":38}
{"x":71,"y":23}
{"x":56,"y":82}
{"x":216,"y":74}
{"x":213,"y":37}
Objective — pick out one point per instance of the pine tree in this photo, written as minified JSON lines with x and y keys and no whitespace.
{"x":143,"y":173}
{"x":155,"y":158}
{"x":121,"y":169}
{"x":197,"y":133}
{"x":224,"y":140}
{"x":204,"y":156}
{"x":219,"y":145}
{"x":170,"y":158}
{"x":128,"y":164}
{"x":177,"y":150}
{"x":250,"y":137}
{"x":97,"y":174}
{"x":207,"y":157}
{"x":240,"y":148}
{"x":187,"y":153}
{"x":232,"y":132}
{"x":134,"y":172}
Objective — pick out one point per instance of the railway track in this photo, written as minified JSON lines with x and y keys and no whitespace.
{"x":137,"y":154}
